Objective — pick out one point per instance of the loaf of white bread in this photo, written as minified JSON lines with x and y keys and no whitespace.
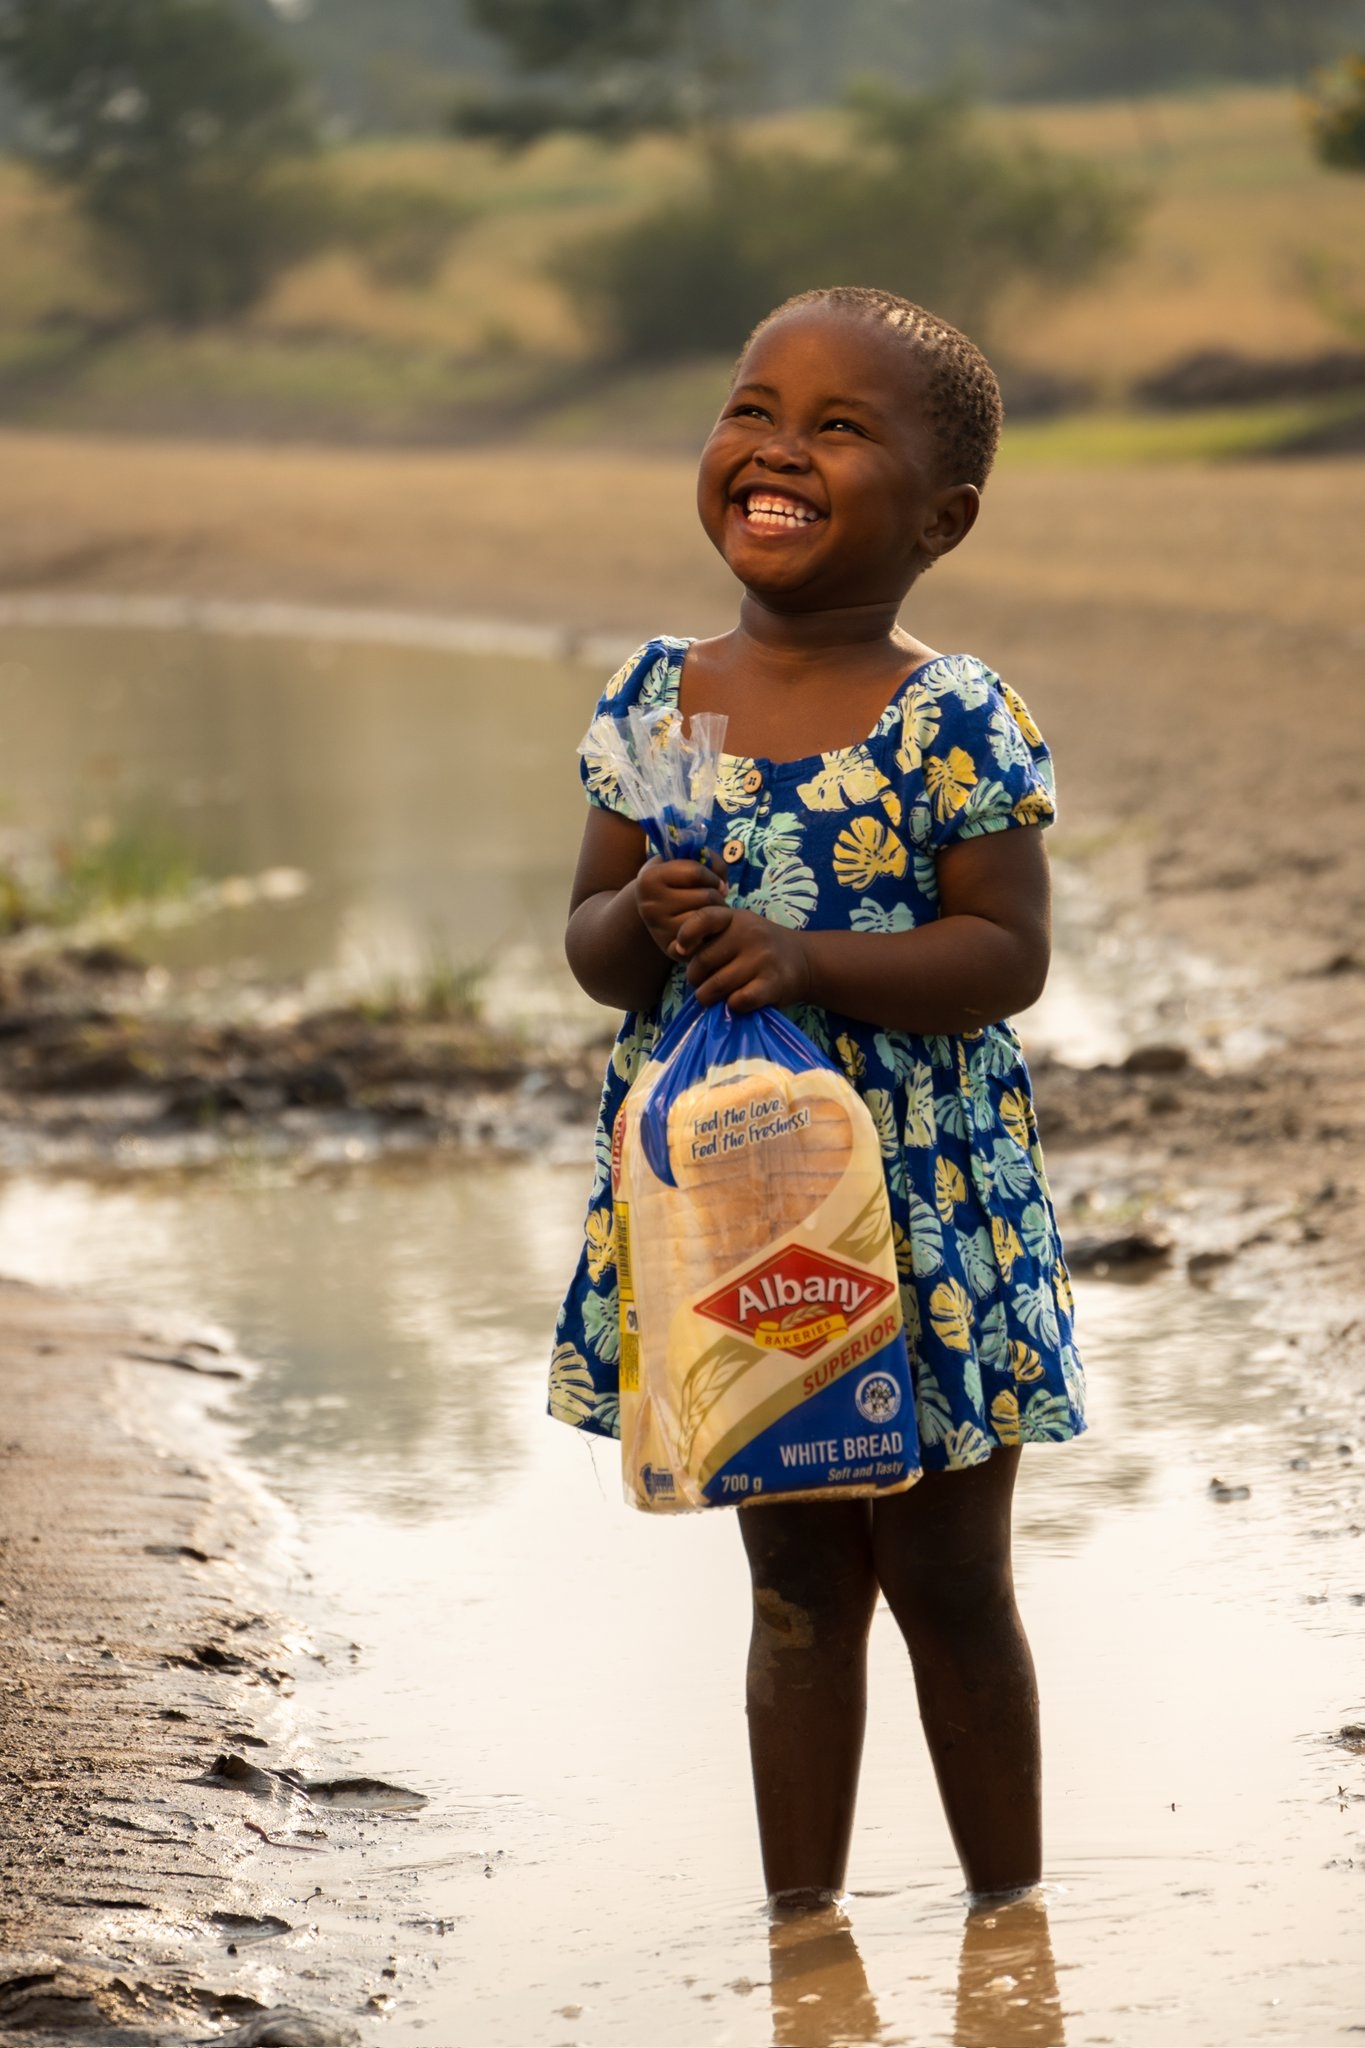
{"x":762,"y":1349}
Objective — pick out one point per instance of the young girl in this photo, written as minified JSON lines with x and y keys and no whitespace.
{"x":876,"y":869}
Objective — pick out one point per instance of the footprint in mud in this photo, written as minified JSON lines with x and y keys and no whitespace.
{"x":349,"y":1795}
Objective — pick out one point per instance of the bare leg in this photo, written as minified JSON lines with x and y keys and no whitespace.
{"x":943,"y":1560}
{"x":814,"y":1592}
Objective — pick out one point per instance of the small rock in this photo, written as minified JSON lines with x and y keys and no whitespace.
{"x":1220,"y":1490}
{"x":1156,"y":1059}
{"x":1127,"y":1248}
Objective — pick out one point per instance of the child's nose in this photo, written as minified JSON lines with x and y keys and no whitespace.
{"x":785,"y":451}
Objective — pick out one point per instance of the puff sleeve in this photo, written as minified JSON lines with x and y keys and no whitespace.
{"x":984,"y":763}
{"x":638,"y":681}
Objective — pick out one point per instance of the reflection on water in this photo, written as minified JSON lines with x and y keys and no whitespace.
{"x":431,"y":798}
{"x":565,"y":1679}
{"x":1007,"y":1995}
{"x":820,"y":1992}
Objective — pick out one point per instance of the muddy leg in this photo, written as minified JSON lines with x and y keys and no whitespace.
{"x":943,"y":1560}
{"x":814,"y":1591}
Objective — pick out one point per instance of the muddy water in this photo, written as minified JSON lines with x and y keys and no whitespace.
{"x":564,"y":1678}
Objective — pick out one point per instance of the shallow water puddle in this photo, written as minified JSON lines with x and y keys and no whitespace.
{"x":564,"y":1679}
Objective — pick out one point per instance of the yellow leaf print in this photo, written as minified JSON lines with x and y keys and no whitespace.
{"x":865,"y":850}
{"x":850,"y":1056}
{"x":1007,"y":1246}
{"x":1019,"y":711}
{"x":1014,"y":1115}
{"x":891,"y":804}
{"x":948,"y":782}
{"x":731,"y":794}
{"x":919,"y":728}
{"x":1034,"y":808}
{"x":848,"y":776}
{"x":1024,"y":1361}
{"x":571,"y":1389}
{"x":905,"y":1264}
{"x":950,"y":1312}
{"x":949,"y":1188}
{"x":601,"y":1236}
{"x":914,"y":1327}
{"x":1005,"y":1416}
{"x":1061,"y":1281}
{"x":921,"y":1124}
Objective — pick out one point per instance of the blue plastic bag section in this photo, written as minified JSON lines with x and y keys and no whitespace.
{"x":699,"y":1039}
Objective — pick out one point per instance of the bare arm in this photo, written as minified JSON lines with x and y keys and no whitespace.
{"x":625,"y":912}
{"x":985,"y":957}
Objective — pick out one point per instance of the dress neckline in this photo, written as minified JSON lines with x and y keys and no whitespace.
{"x":677,"y":654}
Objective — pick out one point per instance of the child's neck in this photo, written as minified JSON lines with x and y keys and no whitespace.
{"x":857,"y":634}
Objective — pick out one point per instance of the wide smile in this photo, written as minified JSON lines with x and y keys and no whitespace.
{"x":769,"y":512}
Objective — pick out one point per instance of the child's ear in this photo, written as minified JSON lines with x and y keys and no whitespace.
{"x":952,"y":518}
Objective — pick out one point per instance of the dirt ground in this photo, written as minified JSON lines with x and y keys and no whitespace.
{"x":1190,"y":641}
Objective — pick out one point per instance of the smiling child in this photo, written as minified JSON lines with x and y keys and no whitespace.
{"x":875,"y":869}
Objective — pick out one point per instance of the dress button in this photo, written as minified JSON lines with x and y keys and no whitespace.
{"x":732,"y":852}
{"x":752,"y":782}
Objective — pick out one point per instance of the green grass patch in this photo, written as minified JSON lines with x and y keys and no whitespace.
{"x":1096,"y":440}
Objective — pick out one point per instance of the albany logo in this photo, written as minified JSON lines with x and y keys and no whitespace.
{"x":796,"y":1300}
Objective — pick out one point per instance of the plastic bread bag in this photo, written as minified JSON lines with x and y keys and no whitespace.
{"x":763,"y":1352}
{"x":666,"y":778}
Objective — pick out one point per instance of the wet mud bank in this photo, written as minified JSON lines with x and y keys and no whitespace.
{"x":90,"y":1076}
{"x":162,"y":1858}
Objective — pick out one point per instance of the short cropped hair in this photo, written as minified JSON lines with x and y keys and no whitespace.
{"x":962,"y":397}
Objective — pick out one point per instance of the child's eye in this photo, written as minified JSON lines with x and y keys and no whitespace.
{"x":749,"y":411}
{"x":845,"y":426}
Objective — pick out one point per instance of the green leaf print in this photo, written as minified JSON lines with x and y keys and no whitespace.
{"x":1007,"y":743}
{"x":920,"y":1128}
{"x":606,"y":1413}
{"x":1037,"y":1311}
{"x":602,"y":1161}
{"x":926,"y":1238}
{"x":1011,"y":1170}
{"x":924,"y":869}
{"x":602,"y":1326}
{"x":941,"y":1053}
{"x":1047,"y":1417}
{"x":992,"y":1338}
{"x":1073,"y":1376}
{"x":1035,"y":1228}
{"x":884,"y":1117}
{"x":786,"y":893}
{"x":896,"y":1053}
{"x":950,"y":1114}
{"x":963,"y":677}
{"x":933,"y":1411}
{"x":997,"y":1052}
{"x":966,"y":1445}
{"x":869,"y":916}
{"x":978,"y":1261}
{"x":971,"y":1379}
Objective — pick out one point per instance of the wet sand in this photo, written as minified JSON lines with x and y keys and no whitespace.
{"x":151,"y":1890}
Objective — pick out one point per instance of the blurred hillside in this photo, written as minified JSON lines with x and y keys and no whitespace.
{"x":1239,"y":220}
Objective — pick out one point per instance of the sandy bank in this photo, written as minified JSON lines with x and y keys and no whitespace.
{"x":145,"y":1896}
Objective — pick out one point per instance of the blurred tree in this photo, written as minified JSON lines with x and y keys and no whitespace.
{"x":1334,"y":108}
{"x":179,"y":128}
{"x":611,"y":68}
{"x":922,"y":202}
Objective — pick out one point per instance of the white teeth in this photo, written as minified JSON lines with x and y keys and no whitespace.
{"x":766,"y":511}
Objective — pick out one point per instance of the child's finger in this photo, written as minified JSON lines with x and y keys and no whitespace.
{"x":702,"y":925}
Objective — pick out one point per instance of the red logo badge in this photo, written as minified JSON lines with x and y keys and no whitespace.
{"x":796,"y":1300}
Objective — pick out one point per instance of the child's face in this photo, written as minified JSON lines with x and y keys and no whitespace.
{"x":820,"y":482}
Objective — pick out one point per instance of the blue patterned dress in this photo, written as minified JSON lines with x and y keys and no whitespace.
{"x":847,"y":841}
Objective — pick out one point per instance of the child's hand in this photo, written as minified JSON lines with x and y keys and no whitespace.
{"x":668,"y":892}
{"x":737,"y":958}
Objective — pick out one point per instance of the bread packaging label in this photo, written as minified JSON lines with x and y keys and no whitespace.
{"x":763,"y":1353}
